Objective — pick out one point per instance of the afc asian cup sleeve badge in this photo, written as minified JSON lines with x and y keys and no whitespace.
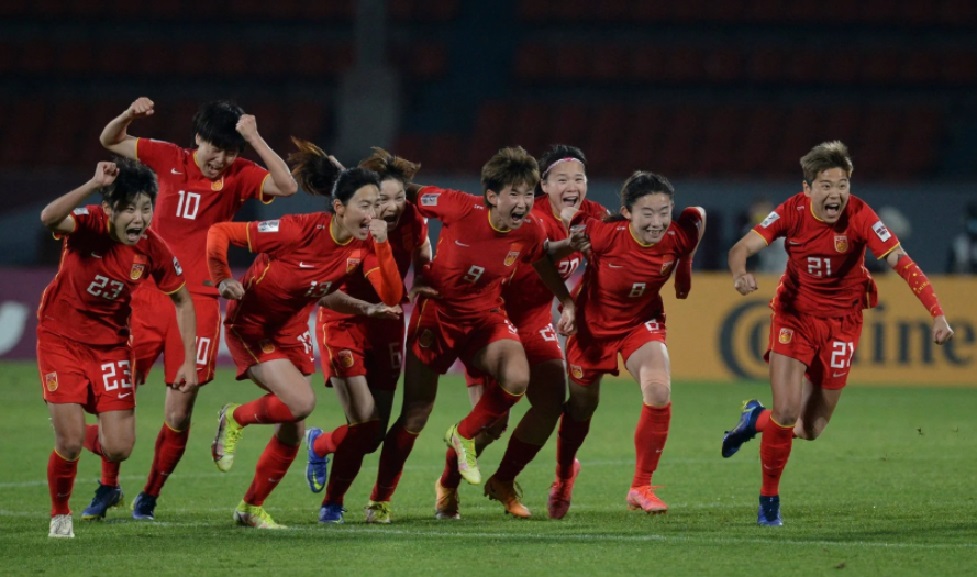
{"x":346,"y":358}
{"x":268,"y":226}
{"x":51,"y":381}
{"x":841,"y":243}
{"x":785,"y":336}
{"x":430,"y":198}
{"x":138,"y":267}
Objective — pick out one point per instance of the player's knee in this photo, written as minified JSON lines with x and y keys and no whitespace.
{"x":302,"y":407}
{"x":116,"y":453}
{"x":68,"y":449}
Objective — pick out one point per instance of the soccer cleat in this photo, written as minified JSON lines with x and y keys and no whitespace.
{"x":644,"y":498}
{"x":378,"y":512}
{"x":62,"y":527}
{"x":445,"y":502}
{"x":465,"y":449}
{"x":558,"y":502}
{"x":228,"y":434}
{"x":105,"y":498}
{"x":744,"y":430}
{"x":509,"y":494}
{"x":316,"y":472}
{"x":769,"y":511}
{"x":255,"y":516}
{"x":331,"y":513}
{"x":144,"y":507}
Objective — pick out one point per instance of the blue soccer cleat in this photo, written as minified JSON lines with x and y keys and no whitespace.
{"x":744,"y":430}
{"x":769,"y":511}
{"x":331,"y":513}
{"x":316,"y":471}
{"x":144,"y":507}
{"x":105,"y":498}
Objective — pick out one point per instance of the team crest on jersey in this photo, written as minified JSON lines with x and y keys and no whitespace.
{"x":346,"y":358}
{"x":430,"y":198}
{"x":771,"y":218}
{"x":426,"y":339}
{"x":514,"y":250}
{"x":785,"y":336}
{"x":353,"y":261}
{"x":841,"y":243}
{"x":666,"y":266}
{"x":268,"y":226}
{"x":51,"y":381}
{"x":217,"y":184}
{"x":267,"y":347}
{"x":138,"y":267}
{"x":576,"y":372}
{"x":881,"y":231}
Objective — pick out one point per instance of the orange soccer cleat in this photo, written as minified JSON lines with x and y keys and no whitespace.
{"x":644,"y":498}
{"x":506,"y":493}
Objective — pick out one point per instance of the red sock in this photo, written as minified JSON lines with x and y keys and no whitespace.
{"x":396,"y":448}
{"x":271,"y":468}
{"x":762,"y":419}
{"x":495,"y":403}
{"x":774,"y":451}
{"x":170,"y":446}
{"x":450,"y":477}
{"x":328,"y":442}
{"x":649,"y":442}
{"x":359,"y":438}
{"x":60,"y":481}
{"x":110,"y":470}
{"x":568,"y":440}
{"x":517,"y":455}
{"x":267,"y":409}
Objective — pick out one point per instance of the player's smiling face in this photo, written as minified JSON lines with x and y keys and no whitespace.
{"x":392,"y":201}
{"x":128,"y":223}
{"x":355,"y":216}
{"x":213,"y":160}
{"x":829,"y":194}
{"x":650,"y":217}
{"x":565,"y":185}
{"x":510,"y":206}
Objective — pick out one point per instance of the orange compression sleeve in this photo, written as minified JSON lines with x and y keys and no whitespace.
{"x":388,"y":283}
{"x":219,"y":237}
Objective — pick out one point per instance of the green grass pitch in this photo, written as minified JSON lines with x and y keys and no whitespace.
{"x":888,"y":490}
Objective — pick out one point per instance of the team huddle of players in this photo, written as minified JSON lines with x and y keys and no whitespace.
{"x":127,"y":292}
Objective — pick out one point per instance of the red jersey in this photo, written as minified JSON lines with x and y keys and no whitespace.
{"x":621,"y":284}
{"x":826,"y":272}
{"x":300,"y":263}
{"x":188,"y":202}
{"x":473,"y":258}
{"x":89,"y":299}
{"x":410,"y":234}
{"x":527,"y":299}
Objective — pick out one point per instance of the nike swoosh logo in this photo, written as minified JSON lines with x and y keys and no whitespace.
{"x":836,"y":375}
{"x":124,"y":395}
{"x":462,"y":244}
{"x":612,"y":265}
{"x":175,"y":171}
{"x":96,"y":255}
{"x":303,"y":265}
{"x":792,"y":243}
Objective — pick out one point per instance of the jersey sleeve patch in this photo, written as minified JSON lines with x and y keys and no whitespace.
{"x":771,"y":218}
{"x":881,"y":231}
{"x":80,"y":210}
{"x":268,"y":226}
{"x":430,"y":198}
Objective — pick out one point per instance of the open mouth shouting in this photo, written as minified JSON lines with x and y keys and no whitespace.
{"x":571,"y":200}
{"x":832,"y":209}
{"x":133,"y":234}
{"x":517,"y":216}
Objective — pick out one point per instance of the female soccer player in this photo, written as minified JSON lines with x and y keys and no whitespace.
{"x":198,"y":187}
{"x":483,"y":240}
{"x":302,"y":259}
{"x":817,"y":311}
{"x":619,"y":308}
{"x":562,"y":186}
{"x":83,"y":354}
{"x":362,"y":356}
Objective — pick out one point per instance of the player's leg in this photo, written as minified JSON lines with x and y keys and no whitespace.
{"x":650,"y":368}
{"x":272,"y":465}
{"x":62,"y":468}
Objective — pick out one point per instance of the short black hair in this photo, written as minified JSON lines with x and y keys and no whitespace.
{"x":134,"y":179}
{"x":215,"y":122}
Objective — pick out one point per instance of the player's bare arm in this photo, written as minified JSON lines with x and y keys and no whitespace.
{"x":186,"y":321}
{"x":114,"y":136}
{"x":341,"y":302}
{"x":420,"y":261}
{"x":901,"y":262}
{"x":551,"y":278}
{"x":744,"y":282}
{"x":56,"y":215}
{"x":281,"y":183}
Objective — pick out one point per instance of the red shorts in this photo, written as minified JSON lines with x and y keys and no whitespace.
{"x":155,"y":331}
{"x":362,"y":347}
{"x":588,"y":357}
{"x":825,"y":345}
{"x":249,"y":350}
{"x":99,"y":378}
{"x":437,"y":340}
{"x":541,"y":345}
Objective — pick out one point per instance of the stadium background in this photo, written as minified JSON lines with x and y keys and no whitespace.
{"x":721,"y":97}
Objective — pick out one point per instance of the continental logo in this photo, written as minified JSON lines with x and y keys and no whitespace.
{"x":894,"y":341}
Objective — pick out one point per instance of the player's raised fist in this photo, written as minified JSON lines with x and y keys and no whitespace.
{"x":247,"y":126}
{"x":378,"y":229}
{"x":140,"y":108}
{"x":105,"y":174}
